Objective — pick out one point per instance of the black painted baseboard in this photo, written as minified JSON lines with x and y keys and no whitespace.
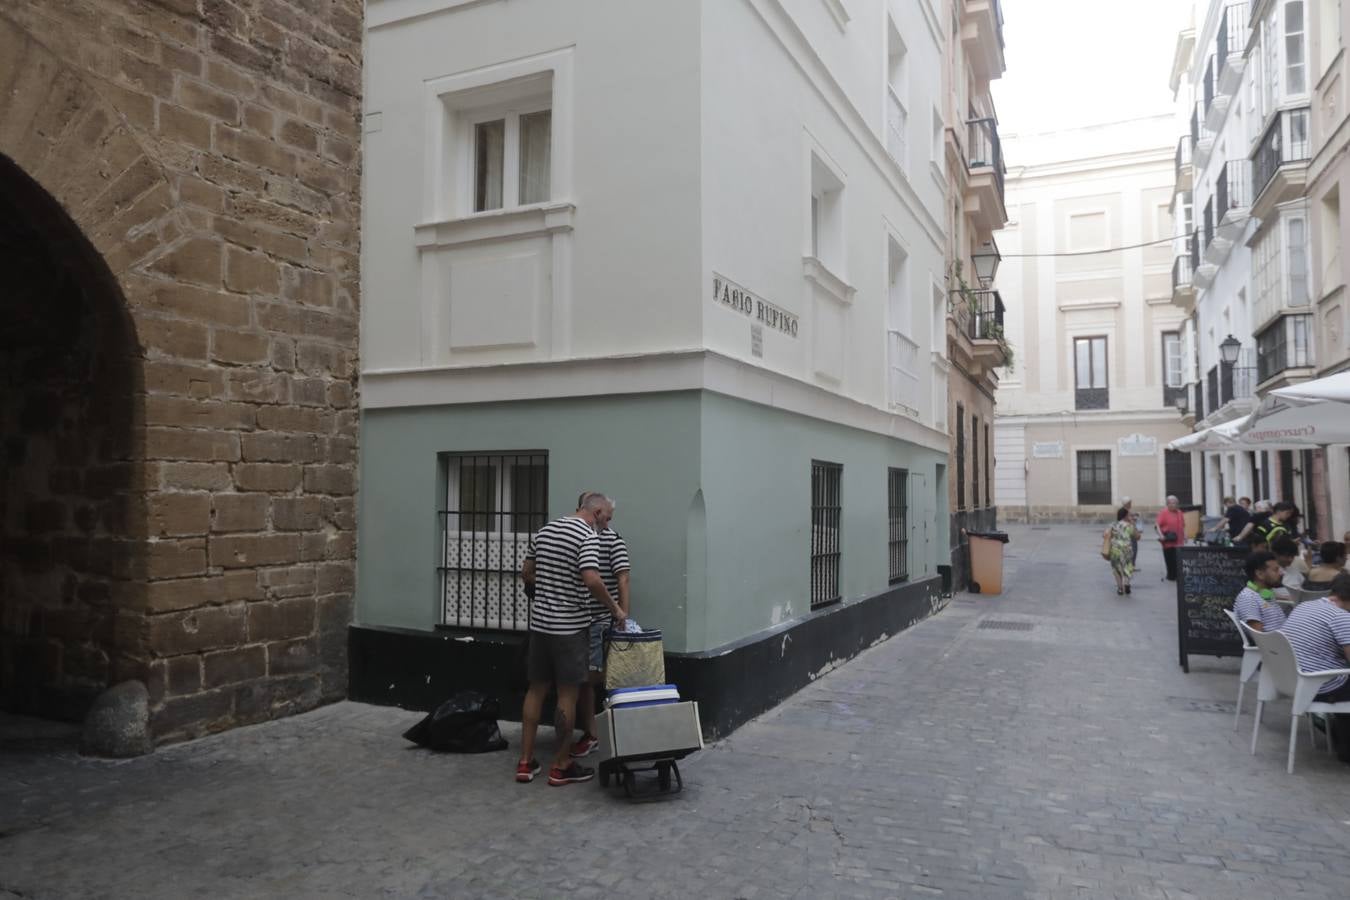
{"x":732,"y":684}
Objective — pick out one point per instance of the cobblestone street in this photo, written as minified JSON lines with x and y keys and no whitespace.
{"x":1064,"y":756}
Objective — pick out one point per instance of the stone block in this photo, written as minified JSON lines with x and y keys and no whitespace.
{"x":118,"y":723}
{"x":178,"y":514}
{"x":299,"y":135}
{"x":330,"y":479}
{"x":258,"y":386}
{"x":235,"y":552}
{"x":196,"y":476}
{"x":297,"y":513}
{"x":195,"y":260}
{"x":239,"y":512}
{"x":267,"y":476}
{"x":281,"y":620}
{"x":175,"y":559}
{"x":193,"y":715}
{"x":207,"y":628}
{"x":268,"y":698}
{"x":172,"y":338}
{"x":233,"y":666}
{"x":208,"y":100}
{"x":250,"y":273}
{"x":191,"y":444}
{"x":188,"y":412}
{"x":266,"y":446}
{"x":250,"y":148}
{"x":242,"y":585}
{"x":184,"y":674}
{"x":290,"y":581}
{"x":305,"y":421}
{"x":240,"y":348}
{"x":178,"y":124}
{"x":334,"y":577}
{"x":292,"y":657}
{"x":180,"y":594}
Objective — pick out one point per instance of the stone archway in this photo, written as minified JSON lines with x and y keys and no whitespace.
{"x":68,"y":420}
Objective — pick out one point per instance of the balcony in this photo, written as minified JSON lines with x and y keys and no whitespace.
{"x":1284,"y":348}
{"x":1183,"y":281}
{"x":1185,"y":171}
{"x":1202,"y":139}
{"x":1229,"y":391}
{"x":1212,"y":390}
{"x":982,"y":37}
{"x":979,"y":318}
{"x":1280,"y":163}
{"x":1228,"y":49}
{"x":1198,"y":402}
{"x":1226,"y":212}
{"x":984,"y":187}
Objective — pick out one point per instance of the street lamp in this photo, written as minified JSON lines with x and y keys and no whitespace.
{"x":1228,"y":350}
{"x":986,"y":261}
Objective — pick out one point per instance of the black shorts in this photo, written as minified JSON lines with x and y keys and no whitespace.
{"x":558,"y":658}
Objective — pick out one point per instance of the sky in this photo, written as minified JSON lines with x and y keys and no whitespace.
{"x":1085,"y":62}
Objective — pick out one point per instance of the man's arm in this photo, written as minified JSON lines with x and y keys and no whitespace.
{"x":596,"y":585}
{"x":1242,"y":535}
{"x":527,"y":571}
{"x":624,"y":602}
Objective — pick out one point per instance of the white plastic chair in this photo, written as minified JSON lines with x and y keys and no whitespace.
{"x":1281,"y":677}
{"x":1251,"y":661}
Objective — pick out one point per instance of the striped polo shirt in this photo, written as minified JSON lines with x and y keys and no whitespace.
{"x":613,"y":560}
{"x":1251,"y":606}
{"x":561,"y":551}
{"x":1317,"y":630}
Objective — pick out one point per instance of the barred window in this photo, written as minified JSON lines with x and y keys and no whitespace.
{"x":897,"y":515}
{"x":493,"y":502}
{"x":826,"y":508}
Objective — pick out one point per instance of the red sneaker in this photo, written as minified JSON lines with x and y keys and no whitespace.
{"x":575,"y":773}
{"x":585,"y":747}
{"x":526,"y":771}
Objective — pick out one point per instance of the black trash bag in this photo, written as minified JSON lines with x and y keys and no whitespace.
{"x":466,"y":723}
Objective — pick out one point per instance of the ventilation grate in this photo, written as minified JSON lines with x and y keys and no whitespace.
{"x":1000,"y":625}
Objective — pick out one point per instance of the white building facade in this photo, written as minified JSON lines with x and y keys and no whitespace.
{"x":1243,"y":79}
{"x":691,"y":254}
{"x":1084,"y":417}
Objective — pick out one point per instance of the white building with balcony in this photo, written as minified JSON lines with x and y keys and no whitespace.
{"x":690,"y":254}
{"x":1242,"y":272}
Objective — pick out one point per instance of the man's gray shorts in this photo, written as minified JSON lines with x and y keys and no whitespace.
{"x":558,"y":658}
{"x":597,"y":654}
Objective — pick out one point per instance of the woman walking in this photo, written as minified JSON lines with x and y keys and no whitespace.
{"x":1171,"y":528}
{"x":1122,"y":536}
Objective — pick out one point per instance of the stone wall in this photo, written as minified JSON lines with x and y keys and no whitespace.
{"x":209,"y":152}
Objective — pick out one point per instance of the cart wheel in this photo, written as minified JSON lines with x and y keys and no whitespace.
{"x":663,"y":777}
{"x":629,"y":782}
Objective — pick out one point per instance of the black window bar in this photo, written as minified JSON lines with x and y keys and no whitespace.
{"x":492,"y":503}
{"x":826,"y":509}
{"x":897,"y":515}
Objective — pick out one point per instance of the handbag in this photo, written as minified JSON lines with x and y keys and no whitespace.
{"x":1170,"y":536}
{"x":634,"y":659}
{"x":1106,"y":545}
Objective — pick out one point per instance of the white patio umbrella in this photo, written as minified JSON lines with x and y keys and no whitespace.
{"x":1333,"y":387}
{"x":1217,"y":437}
{"x":1283,"y":422}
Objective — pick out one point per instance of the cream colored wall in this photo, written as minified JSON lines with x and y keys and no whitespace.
{"x":1053,"y":482}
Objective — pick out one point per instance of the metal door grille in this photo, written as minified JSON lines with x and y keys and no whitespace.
{"x":1094,"y":477}
{"x":897,"y":514}
{"x":826,"y":509}
{"x":493,"y":502}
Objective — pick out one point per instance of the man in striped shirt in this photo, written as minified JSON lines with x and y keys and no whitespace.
{"x":1255,"y":604}
{"x":1319,"y":633}
{"x":563,"y":566}
{"x":614,"y":570}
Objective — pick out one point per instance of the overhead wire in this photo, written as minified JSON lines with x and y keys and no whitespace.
{"x":1168,"y":240}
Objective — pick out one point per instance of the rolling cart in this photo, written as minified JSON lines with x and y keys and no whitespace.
{"x":646,"y":736}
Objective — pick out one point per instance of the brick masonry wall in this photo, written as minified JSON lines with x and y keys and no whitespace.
{"x":209,"y":150}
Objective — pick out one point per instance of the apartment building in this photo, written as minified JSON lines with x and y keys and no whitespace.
{"x":1084,"y":418}
{"x":691,"y":254}
{"x":1244,"y":272}
{"x":976,"y":345}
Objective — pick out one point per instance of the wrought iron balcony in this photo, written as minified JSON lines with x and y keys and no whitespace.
{"x":1193,"y":243}
{"x":1184,"y":169}
{"x":1209,"y":223}
{"x":985,"y":322}
{"x":1232,"y":190}
{"x":1236,"y":383}
{"x":1229,"y":46}
{"x":1198,"y":402}
{"x":986,"y":150}
{"x":1286,"y":344}
{"x":1208,"y":86}
{"x":1212,"y":389}
{"x":1183,"y":273}
{"x":1286,"y":142}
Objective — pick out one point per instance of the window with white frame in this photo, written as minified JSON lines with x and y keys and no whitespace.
{"x":1266,"y":274}
{"x":826,"y":234}
{"x":1295,"y":48}
{"x":501,"y":138}
{"x":493,"y":502}
{"x":902,"y":351}
{"x":1171,"y":350}
{"x":897,"y":94}
{"x":1280,"y":267}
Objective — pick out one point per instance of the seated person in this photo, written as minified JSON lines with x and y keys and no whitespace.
{"x":1319,"y":633}
{"x":1255,"y":604}
{"x":1320,"y":576}
{"x":1292,"y":562}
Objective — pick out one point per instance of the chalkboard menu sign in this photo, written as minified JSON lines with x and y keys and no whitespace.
{"x":1208,"y":579}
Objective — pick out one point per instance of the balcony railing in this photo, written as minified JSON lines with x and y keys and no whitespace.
{"x":1286,"y":344}
{"x":1184,"y":145}
{"x":1209,"y":85}
{"x":1232,"y":190}
{"x":1232,"y":38}
{"x":1212,"y":389}
{"x":1195,"y":126}
{"x":1194,"y":244}
{"x":1209,"y":222}
{"x":1285,"y":141}
{"x":985,"y":149}
{"x":1183,"y":274}
{"x":1236,"y":382}
{"x":985,"y":321}
{"x":1198,"y":404}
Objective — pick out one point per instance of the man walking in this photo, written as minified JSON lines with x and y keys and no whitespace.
{"x":614,"y":571}
{"x":563,"y":566}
